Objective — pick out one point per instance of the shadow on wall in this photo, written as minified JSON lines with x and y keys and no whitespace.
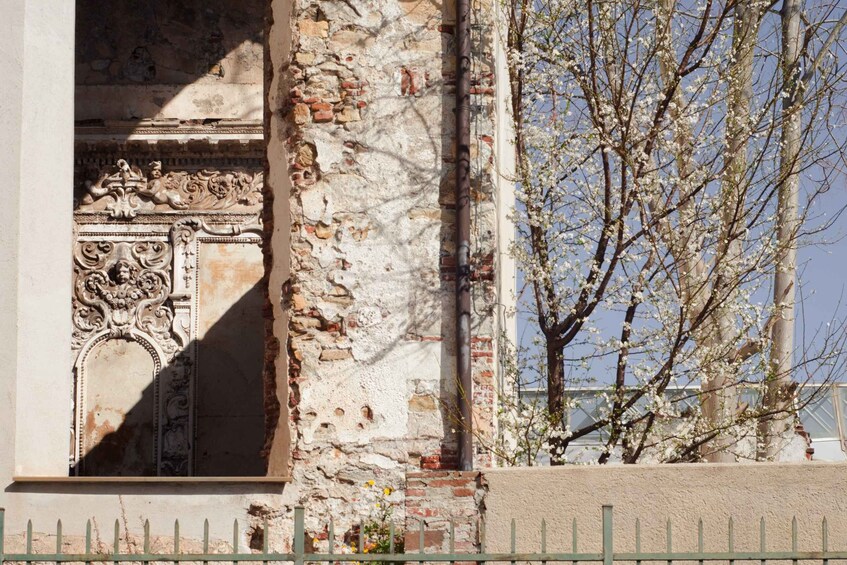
{"x":228,"y":407}
{"x":133,"y":60}
{"x":180,"y":61}
{"x":394,"y":194}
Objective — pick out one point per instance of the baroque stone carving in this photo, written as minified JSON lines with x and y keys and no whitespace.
{"x":137,"y":280}
{"x":175,"y":418}
{"x":126,"y":190}
{"x":122,"y":287}
{"x":123,"y":186}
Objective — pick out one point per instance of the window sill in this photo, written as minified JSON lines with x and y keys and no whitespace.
{"x":155,"y":480}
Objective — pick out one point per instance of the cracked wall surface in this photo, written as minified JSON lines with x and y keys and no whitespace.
{"x":359,"y":239}
{"x":361,"y":123}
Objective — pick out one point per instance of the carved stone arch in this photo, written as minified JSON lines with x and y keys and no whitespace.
{"x":154,"y":170}
{"x":98,"y":399}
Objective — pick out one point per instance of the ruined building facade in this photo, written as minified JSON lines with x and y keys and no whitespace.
{"x":229,"y":253}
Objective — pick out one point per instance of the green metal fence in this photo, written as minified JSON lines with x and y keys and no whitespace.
{"x":299,"y":556}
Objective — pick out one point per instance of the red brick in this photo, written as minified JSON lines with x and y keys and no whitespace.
{"x":431,"y":338}
{"x":450,"y":482}
{"x":412,"y":81}
{"x":323,"y":116}
{"x":426,"y":475}
{"x":423,"y":512}
{"x":430,"y":461}
{"x":463,"y":492}
{"x":432,"y":538}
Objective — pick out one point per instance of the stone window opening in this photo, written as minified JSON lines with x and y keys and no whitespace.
{"x":167,"y":298}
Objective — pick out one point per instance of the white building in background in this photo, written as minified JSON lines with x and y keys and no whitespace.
{"x":822,"y":414}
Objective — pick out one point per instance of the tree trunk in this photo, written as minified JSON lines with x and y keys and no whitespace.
{"x":556,"y":399}
{"x":777,"y":398}
{"x":719,"y":391}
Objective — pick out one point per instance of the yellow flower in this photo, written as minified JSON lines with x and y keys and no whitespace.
{"x":370,"y":483}
{"x":386,"y":491}
{"x":365,"y":550}
{"x":377,"y":504}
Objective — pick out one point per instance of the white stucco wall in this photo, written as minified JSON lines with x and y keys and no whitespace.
{"x":36,"y":134}
{"x":44,"y":236}
{"x":11,"y":99}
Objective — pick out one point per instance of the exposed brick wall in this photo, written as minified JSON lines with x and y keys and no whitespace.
{"x":434,"y":498}
{"x":365,"y":102}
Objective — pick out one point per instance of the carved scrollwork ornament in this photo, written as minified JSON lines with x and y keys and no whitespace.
{"x":127,"y":190}
{"x":122,"y":287}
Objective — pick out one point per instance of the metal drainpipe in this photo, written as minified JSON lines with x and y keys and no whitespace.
{"x":463,"y":233}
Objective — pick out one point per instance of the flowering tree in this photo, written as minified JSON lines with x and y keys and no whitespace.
{"x":659,"y":146}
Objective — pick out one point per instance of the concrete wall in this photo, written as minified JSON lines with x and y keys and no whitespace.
{"x":654,"y":494}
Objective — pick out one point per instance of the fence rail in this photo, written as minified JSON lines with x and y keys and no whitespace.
{"x":299,"y":556}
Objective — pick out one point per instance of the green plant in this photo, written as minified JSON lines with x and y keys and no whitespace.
{"x":376,"y":529}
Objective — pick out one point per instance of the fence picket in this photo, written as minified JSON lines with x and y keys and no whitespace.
{"x":608,"y":545}
{"x":117,"y":545}
{"x":638,"y":539}
{"x":794,"y":537}
{"x":299,"y":535}
{"x":669,"y":540}
{"x":824,"y":540}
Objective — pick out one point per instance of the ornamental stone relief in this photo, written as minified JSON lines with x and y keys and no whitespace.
{"x":125,"y":190}
{"x":122,"y":291}
{"x":122,"y":287}
{"x":140,"y":232}
{"x":160,"y":192}
{"x":142,"y":291}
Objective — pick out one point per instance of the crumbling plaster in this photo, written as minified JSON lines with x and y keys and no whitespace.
{"x":359,"y":256}
{"x":361,"y":119}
